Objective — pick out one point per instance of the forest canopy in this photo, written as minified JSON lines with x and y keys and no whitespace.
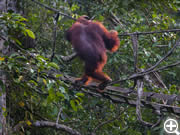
{"x":39,"y":67}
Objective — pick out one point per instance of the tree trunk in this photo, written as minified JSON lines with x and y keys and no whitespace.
{"x":2,"y":5}
{"x":3,"y":125}
{"x":5,"y":5}
{"x":3,"y":129}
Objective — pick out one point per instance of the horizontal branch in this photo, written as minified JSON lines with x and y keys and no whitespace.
{"x":47,"y":124}
{"x":128,"y":96}
{"x":150,"y":32}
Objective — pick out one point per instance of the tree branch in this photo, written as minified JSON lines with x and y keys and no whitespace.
{"x":54,"y":35}
{"x":69,"y":58}
{"x":47,"y":124}
{"x":128,"y":96}
{"x":151,"y":32}
{"x":138,"y":103}
{"x":151,"y":69}
{"x":60,"y":110}
{"x":52,"y":9}
{"x":134,"y":39}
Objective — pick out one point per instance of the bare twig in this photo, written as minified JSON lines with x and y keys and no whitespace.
{"x":151,"y":32}
{"x":134,"y":39}
{"x":138,"y":103}
{"x":54,"y":35}
{"x":69,"y":58}
{"x":53,"y":9}
{"x":163,"y":58}
{"x":116,"y":19}
{"x":161,"y":46}
{"x":168,"y":66}
{"x":60,"y":110}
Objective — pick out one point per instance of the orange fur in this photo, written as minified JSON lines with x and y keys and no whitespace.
{"x":91,"y":40}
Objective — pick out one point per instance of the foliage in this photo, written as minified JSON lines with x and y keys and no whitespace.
{"x":34,"y":89}
{"x":13,"y":24}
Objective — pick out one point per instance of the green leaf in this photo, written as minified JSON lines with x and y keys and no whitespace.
{"x":16,"y":40}
{"x":44,"y":81}
{"x":41,"y":58}
{"x":58,"y":75}
{"x":54,"y":65}
{"x":22,"y":19}
{"x":73,"y":105}
{"x":33,"y":82}
{"x":51,"y":94}
{"x":30,"y":33}
{"x":59,"y":94}
{"x":80,"y":94}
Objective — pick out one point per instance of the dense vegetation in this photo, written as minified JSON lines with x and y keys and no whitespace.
{"x":31,"y":60}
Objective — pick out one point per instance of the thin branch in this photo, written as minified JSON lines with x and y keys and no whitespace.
{"x":125,"y":34}
{"x":161,"y":46}
{"x":158,"y":122}
{"x":154,"y":80}
{"x":47,"y":124}
{"x":120,"y":21}
{"x":163,"y":58}
{"x":151,"y":32}
{"x":168,"y":66}
{"x":54,"y":35}
{"x":134,"y":39}
{"x":151,"y":69}
{"x":69,"y":58}
{"x":60,"y":110}
{"x":138,"y":103}
{"x":116,"y":19}
{"x":52,"y":9}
